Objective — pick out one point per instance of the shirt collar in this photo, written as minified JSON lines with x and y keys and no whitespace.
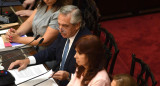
{"x":73,"y":37}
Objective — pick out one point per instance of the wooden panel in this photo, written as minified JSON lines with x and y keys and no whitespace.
{"x":114,"y":7}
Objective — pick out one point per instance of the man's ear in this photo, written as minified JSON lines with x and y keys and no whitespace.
{"x":78,"y":26}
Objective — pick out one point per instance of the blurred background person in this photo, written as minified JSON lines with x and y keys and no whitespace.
{"x":123,"y":80}
{"x":90,"y":62}
{"x":29,"y":6}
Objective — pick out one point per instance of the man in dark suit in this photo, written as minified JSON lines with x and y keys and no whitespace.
{"x":71,"y":28}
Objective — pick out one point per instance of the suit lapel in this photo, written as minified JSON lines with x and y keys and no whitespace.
{"x":62,"y":47}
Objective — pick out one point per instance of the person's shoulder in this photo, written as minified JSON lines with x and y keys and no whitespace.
{"x":102,"y":75}
{"x":102,"y":72}
{"x":101,"y":78}
{"x":58,"y":40}
{"x":85,"y":30}
{"x":55,"y":10}
{"x":82,"y":32}
{"x":41,"y":6}
{"x":54,"y":14}
{"x":59,"y":36}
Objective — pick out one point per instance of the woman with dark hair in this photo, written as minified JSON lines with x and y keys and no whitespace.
{"x":43,"y":22}
{"x":90,"y":63}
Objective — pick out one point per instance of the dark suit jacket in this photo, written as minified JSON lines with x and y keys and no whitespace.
{"x":55,"y":51}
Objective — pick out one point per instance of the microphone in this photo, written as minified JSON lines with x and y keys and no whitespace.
{"x":29,"y":42}
{"x":36,"y":37}
{"x":22,"y":53}
{"x":37,"y":47}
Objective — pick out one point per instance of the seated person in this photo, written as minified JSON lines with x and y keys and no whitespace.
{"x":42,"y":22}
{"x":123,"y":80}
{"x":71,"y":28}
{"x":90,"y":63}
{"x":27,"y":3}
{"x":31,"y":4}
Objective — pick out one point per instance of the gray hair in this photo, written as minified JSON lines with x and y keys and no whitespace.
{"x":75,"y":12}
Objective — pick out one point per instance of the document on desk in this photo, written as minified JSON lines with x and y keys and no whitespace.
{"x":1,"y":43}
{"x":30,"y":72}
{"x":3,"y":31}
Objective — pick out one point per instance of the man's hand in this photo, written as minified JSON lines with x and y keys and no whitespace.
{"x":24,"y":12}
{"x":61,"y":75}
{"x":22,"y":63}
{"x":28,"y":2}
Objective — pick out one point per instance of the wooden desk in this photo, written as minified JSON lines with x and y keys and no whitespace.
{"x":14,"y":9}
{"x":14,"y":55}
{"x":17,"y":53}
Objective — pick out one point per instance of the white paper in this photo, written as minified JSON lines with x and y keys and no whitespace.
{"x":31,"y":72}
{"x":1,"y":43}
{"x":3,"y":31}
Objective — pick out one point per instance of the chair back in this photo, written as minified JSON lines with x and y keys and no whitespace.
{"x":110,"y":46}
{"x":144,"y":74}
{"x":90,"y":13}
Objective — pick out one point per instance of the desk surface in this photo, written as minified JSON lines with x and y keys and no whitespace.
{"x":18,"y":53}
{"x":14,"y":9}
{"x":14,"y":55}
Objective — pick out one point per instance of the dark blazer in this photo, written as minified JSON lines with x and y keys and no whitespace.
{"x":55,"y":51}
